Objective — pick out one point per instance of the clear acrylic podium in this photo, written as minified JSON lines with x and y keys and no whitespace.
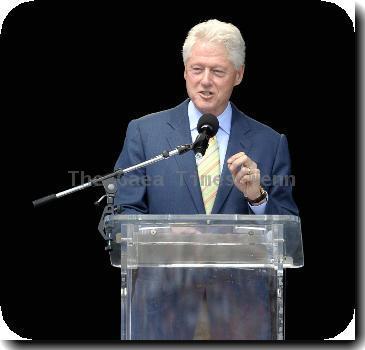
{"x":228,"y":268}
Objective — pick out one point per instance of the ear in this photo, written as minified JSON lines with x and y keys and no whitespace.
{"x":239,"y":75}
{"x":185,"y":73}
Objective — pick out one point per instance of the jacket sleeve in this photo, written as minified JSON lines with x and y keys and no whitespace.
{"x":281,"y":201}
{"x":131,"y":194}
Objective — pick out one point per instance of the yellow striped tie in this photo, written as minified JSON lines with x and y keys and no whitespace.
{"x":209,"y":174}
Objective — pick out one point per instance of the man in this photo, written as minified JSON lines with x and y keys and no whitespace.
{"x":242,"y":155}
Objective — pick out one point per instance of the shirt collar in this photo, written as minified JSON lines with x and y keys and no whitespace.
{"x":224,"y":119}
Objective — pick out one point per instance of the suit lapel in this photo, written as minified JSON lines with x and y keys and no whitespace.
{"x":179,"y":135}
{"x":238,"y":142}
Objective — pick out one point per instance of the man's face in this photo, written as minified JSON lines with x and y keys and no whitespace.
{"x":210,"y":77}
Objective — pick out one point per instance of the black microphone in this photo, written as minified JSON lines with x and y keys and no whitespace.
{"x":208,"y":126}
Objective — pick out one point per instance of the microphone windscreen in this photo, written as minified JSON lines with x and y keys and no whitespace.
{"x":210,"y":123}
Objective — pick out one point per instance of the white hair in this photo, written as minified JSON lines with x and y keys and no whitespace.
{"x":217,"y":32}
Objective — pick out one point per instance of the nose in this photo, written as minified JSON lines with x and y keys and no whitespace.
{"x":206,"y":77}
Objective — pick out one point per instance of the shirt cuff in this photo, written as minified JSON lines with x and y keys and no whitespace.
{"x":259,"y":209}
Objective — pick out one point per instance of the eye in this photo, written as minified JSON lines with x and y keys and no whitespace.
{"x":197,"y":70}
{"x":218,"y":72}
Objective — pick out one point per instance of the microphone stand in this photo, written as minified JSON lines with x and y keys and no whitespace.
{"x":110,"y":186}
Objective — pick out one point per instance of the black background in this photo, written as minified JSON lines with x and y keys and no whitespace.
{"x":75,"y":76}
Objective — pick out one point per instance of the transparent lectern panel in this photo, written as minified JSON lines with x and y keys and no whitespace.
{"x":202,"y":304}
{"x":200,"y":245}
{"x":192,"y":240}
{"x":203,"y":276}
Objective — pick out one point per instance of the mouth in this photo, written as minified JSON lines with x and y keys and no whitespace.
{"x":206,"y":94}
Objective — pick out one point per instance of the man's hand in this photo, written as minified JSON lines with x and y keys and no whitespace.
{"x":245,"y":174}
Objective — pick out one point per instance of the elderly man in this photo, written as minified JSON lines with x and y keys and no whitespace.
{"x":247,"y":157}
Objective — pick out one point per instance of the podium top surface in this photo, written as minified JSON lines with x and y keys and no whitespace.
{"x":212,"y":217}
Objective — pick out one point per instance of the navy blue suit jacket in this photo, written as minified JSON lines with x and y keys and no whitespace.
{"x":172,"y":187}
